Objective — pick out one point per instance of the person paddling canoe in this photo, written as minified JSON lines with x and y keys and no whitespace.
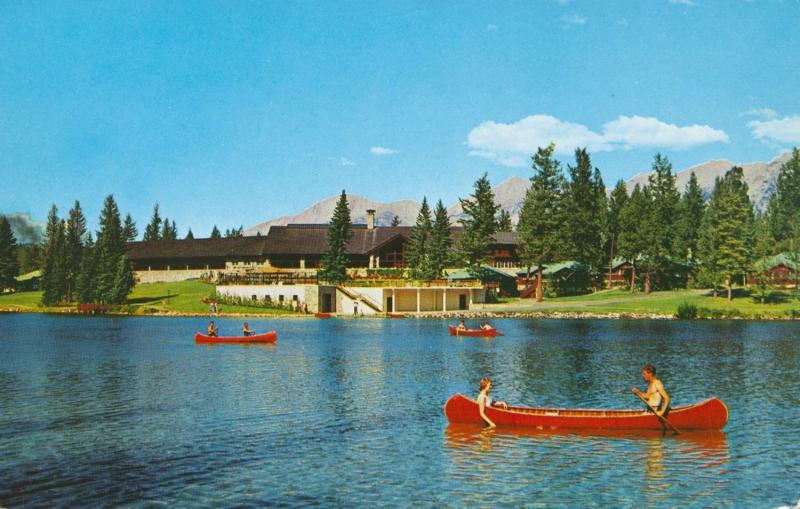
{"x":212,"y":330}
{"x":656,"y":395}
{"x":484,"y":400}
{"x":246,"y":331}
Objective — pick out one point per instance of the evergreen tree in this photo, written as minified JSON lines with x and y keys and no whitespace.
{"x":129,"y":230}
{"x":660,"y":229}
{"x":784,"y":204}
{"x":9,"y":264}
{"x":234,"y":232}
{"x":416,"y":253}
{"x":395,"y":221}
{"x":153,"y":230}
{"x":582,"y":213}
{"x":727,"y":234}
{"x":110,"y":248}
{"x":690,"y":215}
{"x":215,"y":234}
{"x":613,"y":223}
{"x":189,"y":235}
{"x":441,"y":242}
{"x":75,"y":233}
{"x":764,"y":244}
{"x":85,"y":284}
{"x":479,"y":224}
{"x":631,"y":237}
{"x":169,"y":230}
{"x":29,"y":256}
{"x":174,"y":231}
{"x":333,"y":266}
{"x":540,"y":227}
{"x":504,"y":222}
{"x":54,"y":288}
{"x":123,"y":280}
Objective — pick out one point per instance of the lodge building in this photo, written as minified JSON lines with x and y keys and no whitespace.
{"x":281,"y":266}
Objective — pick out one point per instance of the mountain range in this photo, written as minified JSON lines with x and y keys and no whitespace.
{"x":760,"y":177}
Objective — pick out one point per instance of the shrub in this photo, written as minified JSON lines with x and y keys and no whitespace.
{"x":686,"y":311}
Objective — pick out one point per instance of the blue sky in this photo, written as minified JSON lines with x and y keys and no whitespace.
{"x":233,"y":113}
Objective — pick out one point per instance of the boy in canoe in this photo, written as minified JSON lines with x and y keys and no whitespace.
{"x":212,"y":330}
{"x":461,"y":325}
{"x":246,"y":330}
{"x":484,"y":400}
{"x":656,"y":396}
{"x":486,"y":326}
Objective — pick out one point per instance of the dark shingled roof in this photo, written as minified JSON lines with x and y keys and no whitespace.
{"x":281,"y":240}
{"x":309,"y":240}
{"x":229,"y":247}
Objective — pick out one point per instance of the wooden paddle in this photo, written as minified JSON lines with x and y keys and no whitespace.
{"x":663,"y":419}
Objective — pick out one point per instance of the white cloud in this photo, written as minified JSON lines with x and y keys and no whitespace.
{"x":346,"y":162}
{"x":491,"y":27}
{"x":640,"y":132}
{"x":573,"y":19}
{"x":512,"y":144}
{"x":382,"y":151}
{"x":760,"y":112}
{"x":780,"y":130}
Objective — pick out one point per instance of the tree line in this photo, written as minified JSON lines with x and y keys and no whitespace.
{"x":669,"y":238}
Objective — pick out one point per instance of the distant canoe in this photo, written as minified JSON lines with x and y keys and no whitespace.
{"x":322,"y":315}
{"x":711,"y":414}
{"x":454,"y":331}
{"x":267,"y":337}
{"x":395,"y":315}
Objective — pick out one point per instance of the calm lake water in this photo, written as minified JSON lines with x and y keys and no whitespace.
{"x":348,"y":413}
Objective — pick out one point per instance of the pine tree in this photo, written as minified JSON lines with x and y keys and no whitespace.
{"x":441,"y":242}
{"x":395,"y":221}
{"x":189,"y":235}
{"x":479,"y":225}
{"x":504,"y":222}
{"x":416,"y":252}
{"x":764,"y":243}
{"x":660,"y":229}
{"x":75,"y":233}
{"x":54,"y":288}
{"x":153,"y":230}
{"x":727,"y":233}
{"x":9,"y":264}
{"x":631,"y":237}
{"x":110,"y":248}
{"x":129,"y":230}
{"x":784,"y":204}
{"x":540,"y":226}
{"x":613,"y":223}
{"x":215,"y":234}
{"x":690,"y":215}
{"x":234,"y":232}
{"x":582,"y":213}
{"x":123,"y":280}
{"x":169,"y":230}
{"x":334,"y":262}
{"x":85,"y":284}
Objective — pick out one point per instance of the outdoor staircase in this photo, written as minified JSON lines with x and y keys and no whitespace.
{"x":353,"y":295}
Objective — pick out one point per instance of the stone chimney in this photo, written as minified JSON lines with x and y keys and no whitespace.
{"x":370,"y":219}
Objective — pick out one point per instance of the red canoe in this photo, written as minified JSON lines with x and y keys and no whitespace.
{"x":472,"y":332}
{"x":322,"y":315}
{"x":267,"y":337}
{"x":711,"y":414}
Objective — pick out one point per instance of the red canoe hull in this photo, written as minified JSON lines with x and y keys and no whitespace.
{"x":711,"y":414}
{"x":322,"y":315}
{"x":472,"y":332}
{"x":267,"y":337}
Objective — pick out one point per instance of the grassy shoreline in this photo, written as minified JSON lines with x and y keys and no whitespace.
{"x":186,"y":298}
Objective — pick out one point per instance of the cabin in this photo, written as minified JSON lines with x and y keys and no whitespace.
{"x":781,"y":270}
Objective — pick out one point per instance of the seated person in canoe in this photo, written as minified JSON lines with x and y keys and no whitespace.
{"x":656,"y":396}
{"x":246,"y":330}
{"x":484,"y":400}
{"x":486,"y":326}
{"x":461,"y":325}
{"x":212,"y":330}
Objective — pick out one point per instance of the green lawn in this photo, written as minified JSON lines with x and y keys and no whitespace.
{"x":744,"y":304}
{"x":181,"y":297}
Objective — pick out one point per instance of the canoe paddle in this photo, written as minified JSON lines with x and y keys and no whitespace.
{"x":661,"y":417}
